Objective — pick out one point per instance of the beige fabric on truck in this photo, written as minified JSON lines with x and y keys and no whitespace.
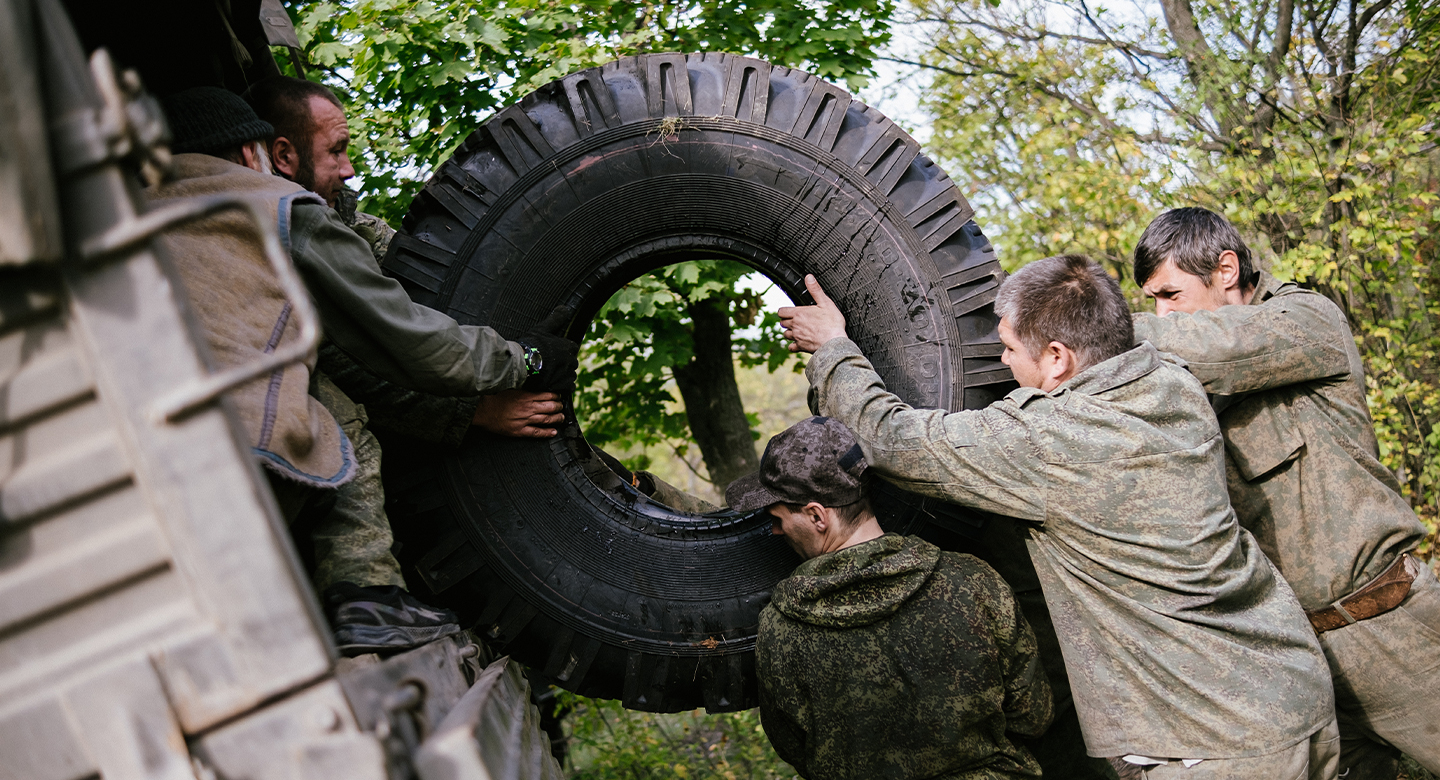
{"x":234,"y":294}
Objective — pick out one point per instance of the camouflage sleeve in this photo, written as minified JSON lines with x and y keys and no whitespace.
{"x":429,"y":418}
{"x":781,"y":728}
{"x":370,"y":316}
{"x":1029,"y":706}
{"x":1241,"y":349}
{"x":983,"y":459}
{"x":785,"y":735}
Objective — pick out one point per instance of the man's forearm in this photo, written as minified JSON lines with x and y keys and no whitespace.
{"x":370,"y":316}
{"x":952,"y":456}
{"x":431,"y":418}
{"x":1243,"y":349}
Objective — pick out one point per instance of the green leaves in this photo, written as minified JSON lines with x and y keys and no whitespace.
{"x":608,"y":741}
{"x":643,"y":332}
{"x":1074,"y":130}
{"x":418,"y":77}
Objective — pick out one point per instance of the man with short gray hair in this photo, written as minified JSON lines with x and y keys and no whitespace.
{"x":1187,"y":653}
{"x":1304,"y":476}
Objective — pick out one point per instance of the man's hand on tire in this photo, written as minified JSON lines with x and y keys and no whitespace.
{"x":809,"y":327}
{"x":552,"y":370}
{"x":520,"y":414}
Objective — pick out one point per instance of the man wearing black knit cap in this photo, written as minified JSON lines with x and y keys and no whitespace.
{"x":320,"y":473}
{"x":881,"y":655}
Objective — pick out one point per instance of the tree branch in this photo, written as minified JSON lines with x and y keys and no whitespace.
{"x":1016,"y":35}
{"x":1269,"y":107}
{"x":1200,"y":61}
{"x":1135,"y":71}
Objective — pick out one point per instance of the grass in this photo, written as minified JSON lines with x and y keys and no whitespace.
{"x":608,"y":742}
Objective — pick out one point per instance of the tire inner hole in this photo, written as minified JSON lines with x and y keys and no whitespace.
{"x":684,"y":377}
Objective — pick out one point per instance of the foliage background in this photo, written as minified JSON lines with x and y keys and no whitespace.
{"x":418,"y":76}
{"x":1309,"y":123}
{"x":607,"y":741}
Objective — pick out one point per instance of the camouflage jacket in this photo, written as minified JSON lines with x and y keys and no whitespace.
{"x":891,"y":659}
{"x":1300,"y":446}
{"x":1180,"y":638}
{"x":369,"y":316}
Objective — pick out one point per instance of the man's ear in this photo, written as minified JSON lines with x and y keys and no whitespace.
{"x":1062,"y":362}
{"x":251,"y":157}
{"x":815,"y":513}
{"x":285,"y":157}
{"x":1227,"y":271}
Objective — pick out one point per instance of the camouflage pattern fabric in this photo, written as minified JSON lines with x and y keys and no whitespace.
{"x":1179,"y":636}
{"x":1304,"y":476}
{"x":1387,"y":685}
{"x":675,"y":498}
{"x":1311,"y":759}
{"x":1300,"y":445}
{"x":376,"y":232}
{"x":1061,"y":749}
{"x":352,"y":539}
{"x":891,"y":659}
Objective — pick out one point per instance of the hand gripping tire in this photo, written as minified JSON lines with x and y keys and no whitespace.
{"x":586,"y":184}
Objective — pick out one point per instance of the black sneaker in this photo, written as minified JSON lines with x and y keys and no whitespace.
{"x":383,"y":619}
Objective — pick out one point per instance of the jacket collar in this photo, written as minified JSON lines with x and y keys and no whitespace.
{"x":1266,"y":288}
{"x":1119,"y":370}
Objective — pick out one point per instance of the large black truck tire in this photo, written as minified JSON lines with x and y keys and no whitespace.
{"x":586,"y":184}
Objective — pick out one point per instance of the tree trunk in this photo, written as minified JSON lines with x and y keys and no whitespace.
{"x":712,"y":398}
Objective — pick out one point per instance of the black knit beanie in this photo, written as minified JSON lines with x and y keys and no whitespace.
{"x":211,"y":119}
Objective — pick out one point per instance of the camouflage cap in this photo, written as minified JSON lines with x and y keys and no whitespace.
{"x":815,"y":460}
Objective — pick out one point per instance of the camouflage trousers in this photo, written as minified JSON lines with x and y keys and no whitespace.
{"x":343,"y":534}
{"x":1387,"y":684}
{"x":1311,"y":759}
{"x":1061,"y":749}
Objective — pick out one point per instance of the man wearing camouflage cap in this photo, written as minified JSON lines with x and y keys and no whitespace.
{"x":882,"y":656}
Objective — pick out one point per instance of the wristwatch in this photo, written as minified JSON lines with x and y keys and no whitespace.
{"x":533,"y":360}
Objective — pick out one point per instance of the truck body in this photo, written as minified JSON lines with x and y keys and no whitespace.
{"x":154,"y":619}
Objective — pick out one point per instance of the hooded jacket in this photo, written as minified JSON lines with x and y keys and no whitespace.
{"x":892,"y":659}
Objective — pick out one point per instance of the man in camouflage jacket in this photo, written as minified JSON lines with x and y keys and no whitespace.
{"x":1187,"y":652}
{"x":881,"y":656}
{"x":1287,"y":379}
